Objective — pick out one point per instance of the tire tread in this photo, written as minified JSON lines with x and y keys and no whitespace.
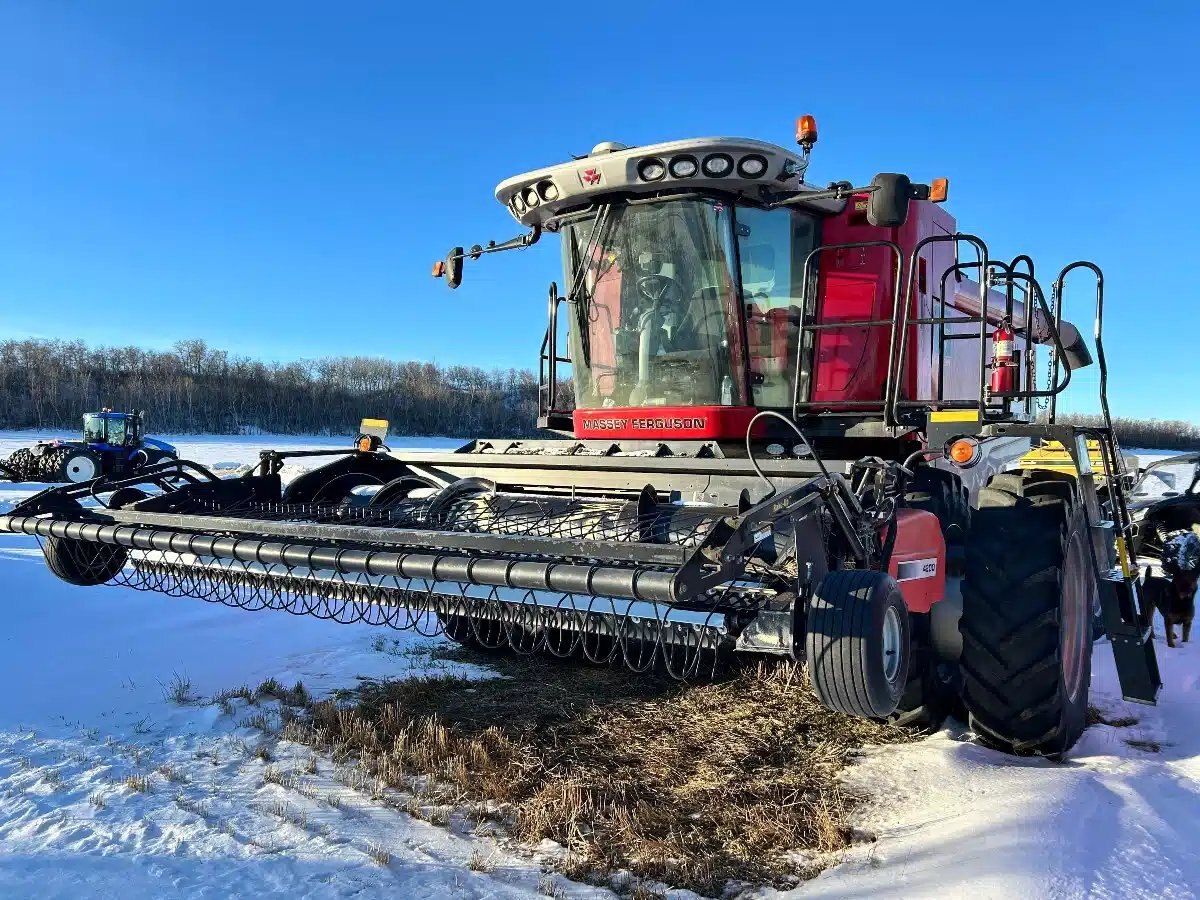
{"x":1012,"y":588}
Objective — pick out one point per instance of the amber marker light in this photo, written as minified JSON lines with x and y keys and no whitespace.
{"x":963,"y":452}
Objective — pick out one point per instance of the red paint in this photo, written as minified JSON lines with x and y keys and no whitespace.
{"x":854,"y":285}
{"x":1004,"y":366}
{"x":592,"y":176}
{"x":919,"y":540}
{"x":684,"y":423}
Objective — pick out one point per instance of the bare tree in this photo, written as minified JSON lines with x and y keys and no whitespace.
{"x":196,"y":388}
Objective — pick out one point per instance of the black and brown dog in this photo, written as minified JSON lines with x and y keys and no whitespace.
{"x":1174,"y":595}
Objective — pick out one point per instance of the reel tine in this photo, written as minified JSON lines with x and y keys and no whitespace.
{"x":598,"y":630}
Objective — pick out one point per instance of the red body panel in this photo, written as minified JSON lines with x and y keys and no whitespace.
{"x":919,"y":559}
{"x":858,"y":284}
{"x":684,"y":423}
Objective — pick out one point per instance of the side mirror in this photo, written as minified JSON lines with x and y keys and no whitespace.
{"x":454,"y":267}
{"x":887,"y":205}
{"x":450,"y":268}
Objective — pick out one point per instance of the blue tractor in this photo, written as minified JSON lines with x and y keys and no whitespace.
{"x":113,"y":443}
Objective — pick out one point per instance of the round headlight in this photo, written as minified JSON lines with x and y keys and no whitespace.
{"x":651,"y":169}
{"x":548,"y":191}
{"x":752,"y":166}
{"x":683,"y":167}
{"x":718,"y":165}
{"x":531,"y":197}
{"x":517,"y":203}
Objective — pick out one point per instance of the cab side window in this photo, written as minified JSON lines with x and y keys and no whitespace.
{"x":772,"y":248}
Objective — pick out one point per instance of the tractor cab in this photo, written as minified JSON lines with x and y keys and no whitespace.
{"x":683,"y":276}
{"x":705,"y":280}
{"x":112,"y":429}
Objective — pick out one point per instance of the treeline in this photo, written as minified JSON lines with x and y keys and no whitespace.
{"x":1148,"y":434}
{"x":194,"y":388}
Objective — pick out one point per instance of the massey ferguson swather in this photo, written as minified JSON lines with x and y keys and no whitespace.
{"x":792,"y":416}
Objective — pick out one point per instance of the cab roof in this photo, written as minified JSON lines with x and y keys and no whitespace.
{"x":753,"y":169}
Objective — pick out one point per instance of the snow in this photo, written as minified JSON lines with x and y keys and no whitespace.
{"x":220,"y":452}
{"x":1113,"y":821}
{"x":86,"y":673}
{"x":1148,"y":457}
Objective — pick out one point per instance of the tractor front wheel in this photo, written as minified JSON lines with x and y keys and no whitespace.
{"x":155,"y":457}
{"x":1028,"y":595}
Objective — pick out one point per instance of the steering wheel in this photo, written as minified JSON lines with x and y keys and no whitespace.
{"x":658,"y":288}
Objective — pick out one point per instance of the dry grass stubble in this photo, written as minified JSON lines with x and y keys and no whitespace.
{"x":693,"y":785}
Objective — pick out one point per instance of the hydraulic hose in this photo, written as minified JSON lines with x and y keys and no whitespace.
{"x":770,"y":413}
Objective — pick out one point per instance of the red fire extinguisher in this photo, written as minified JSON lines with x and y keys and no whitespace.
{"x":1004,"y":360}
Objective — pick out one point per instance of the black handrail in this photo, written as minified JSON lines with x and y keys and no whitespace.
{"x":1101,"y":360}
{"x":902,"y":317}
{"x":549,"y":359}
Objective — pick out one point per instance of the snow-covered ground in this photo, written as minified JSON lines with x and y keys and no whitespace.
{"x":84,"y":707}
{"x":1118,"y":819}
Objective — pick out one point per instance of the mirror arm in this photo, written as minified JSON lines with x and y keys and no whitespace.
{"x":841,"y":190}
{"x":844,"y":190}
{"x":520,"y":242}
{"x":451,"y":267}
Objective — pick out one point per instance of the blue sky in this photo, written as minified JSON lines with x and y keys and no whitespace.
{"x":277,"y":178}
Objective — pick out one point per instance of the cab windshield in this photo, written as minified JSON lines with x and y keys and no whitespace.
{"x":1171,"y":477}
{"x":655,"y":308}
{"x":105,"y":429}
{"x":656,"y":293}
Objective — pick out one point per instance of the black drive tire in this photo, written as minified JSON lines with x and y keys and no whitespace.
{"x":78,"y":466}
{"x":1027,"y":614}
{"x":126,"y":496}
{"x":50,"y":464}
{"x":1064,"y":488}
{"x":851,"y":669}
{"x":933,"y":688}
{"x":24,"y":463}
{"x":85,"y":563}
{"x":931,"y":695}
{"x":941,"y":493}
